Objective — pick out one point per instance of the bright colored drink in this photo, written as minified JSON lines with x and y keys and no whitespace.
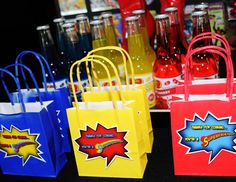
{"x":142,"y":68}
{"x":116,"y":57}
{"x":49,"y":51}
{"x":84,"y":34}
{"x":204,"y":65}
{"x":99,"y":40}
{"x":151,"y":55}
{"x":167,"y":69}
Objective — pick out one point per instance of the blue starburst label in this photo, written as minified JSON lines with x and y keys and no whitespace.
{"x":209,"y":134}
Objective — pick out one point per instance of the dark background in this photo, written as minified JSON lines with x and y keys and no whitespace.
{"x":19,"y":20}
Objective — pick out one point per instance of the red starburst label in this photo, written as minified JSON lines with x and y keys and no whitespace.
{"x":102,"y":142}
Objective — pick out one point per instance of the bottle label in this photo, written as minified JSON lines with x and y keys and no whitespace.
{"x":84,"y":83}
{"x":105,"y":82}
{"x":164,"y":88}
{"x":146,"y":79}
{"x":59,"y":84}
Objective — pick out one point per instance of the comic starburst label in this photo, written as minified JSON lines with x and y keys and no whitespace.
{"x":102,"y":142}
{"x":19,"y":143}
{"x":210,"y":134}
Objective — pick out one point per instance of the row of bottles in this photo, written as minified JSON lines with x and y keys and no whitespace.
{"x":73,"y":42}
{"x":169,"y":65}
{"x":160,"y":70}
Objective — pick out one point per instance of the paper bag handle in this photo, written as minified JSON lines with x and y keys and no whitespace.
{"x":108,"y":61}
{"x":208,"y":35}
{"x":17,"y":77}
{"x":80,"y":84}
{"x":42,"y":61}
{"x":123,"y":53}
{"x":211,"y":49}
{"x":18,"y":88}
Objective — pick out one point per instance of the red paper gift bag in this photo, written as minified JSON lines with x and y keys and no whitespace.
{"x":203,"y":125}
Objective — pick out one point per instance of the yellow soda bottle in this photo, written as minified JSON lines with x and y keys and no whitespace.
{"x":140,"y":13}
{"x":142,"y":68}
{"x":99,"y":40}
{"x":111,"y":37}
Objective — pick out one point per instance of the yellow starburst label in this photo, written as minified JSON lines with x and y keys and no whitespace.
{"x":20,"y":143}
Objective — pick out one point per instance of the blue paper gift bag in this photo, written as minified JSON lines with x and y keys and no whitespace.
{"x":29,"y":145}
{"x":58,"y":95}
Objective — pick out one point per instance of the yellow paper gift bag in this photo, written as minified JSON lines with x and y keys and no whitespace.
{"x":130,"y":92}
{"x":105,"y":137}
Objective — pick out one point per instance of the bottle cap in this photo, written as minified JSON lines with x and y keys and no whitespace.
{"x":171,"y":9}
{"x":68,"y":27}
{"x":58,"y":20}
{"x":131,"y":18}
{"x":138,"y":11}
{"x":42,"y":27}
{"x":202,"y":6}
{"x":106,"y":15}
{"x":161,"y":16}
{"x":72,"y":20}
{"x":96,"y":22}
{"x":81,"y":17}
{"x":199,"y":13}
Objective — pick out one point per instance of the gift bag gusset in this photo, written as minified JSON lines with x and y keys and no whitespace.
{"x":29,"y":145}
{"x":203,"y":125}
{"x":105,"y":136}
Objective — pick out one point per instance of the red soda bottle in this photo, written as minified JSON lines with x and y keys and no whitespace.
{"x":176,"y":46}
{"x":167,"y":69}
{"x":204,"y":7}
{"x":204,"y":65}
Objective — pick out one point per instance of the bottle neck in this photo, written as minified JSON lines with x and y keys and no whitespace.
{"x":201,"y":25}
{"x":110,"y":31}
{"x":135,"y":40}
{"x":72,"y":44}
{"x":45,"y":38}
{"x":47,"y":46}
{"x":163,"y":32}
{"x":176,"y":45}
{"x":60,"y":37}
{"x":83,"y":27}
{"x":143,"y":29}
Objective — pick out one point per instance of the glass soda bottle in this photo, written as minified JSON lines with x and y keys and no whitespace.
{"x":140,"y":13}
{"x":204,"y":7}
{"x":109,"y":28}
{"x":74,"y":52}
{"x":60,"y":35}
{"x":84,"y":33}
{"x":142,"y":68}
{"x":99,"y":40}
{"x":204,"y":65}
{"x":61,"y":44}
{"x":167,"y":69}
{"x":49,"y":51}
{"x":176,"y":46}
